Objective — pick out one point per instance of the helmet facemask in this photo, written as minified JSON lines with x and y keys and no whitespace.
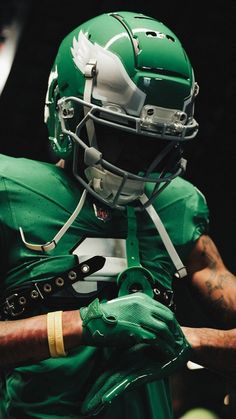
{"x":125,"y":109}
{"x":118,"y":160}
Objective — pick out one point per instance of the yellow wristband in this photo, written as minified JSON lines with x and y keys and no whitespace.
{"x":59,"y":341}
{"x":51,"y":335}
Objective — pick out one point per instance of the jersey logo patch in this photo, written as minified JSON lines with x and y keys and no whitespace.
{"x":102,"y":214}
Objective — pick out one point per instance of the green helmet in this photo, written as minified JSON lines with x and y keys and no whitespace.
{"x":120,"y":104}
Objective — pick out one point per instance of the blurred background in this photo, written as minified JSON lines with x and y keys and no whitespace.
{"x":30,"y":33}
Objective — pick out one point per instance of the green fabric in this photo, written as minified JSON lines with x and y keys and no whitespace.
{"x":129,"y":320}
{"x":120,"y":322}
{"x":40,"y":197}
{"x":135,"y":275}
{"x":127,"y":369}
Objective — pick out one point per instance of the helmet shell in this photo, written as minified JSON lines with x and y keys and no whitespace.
{"x":150,"y":52}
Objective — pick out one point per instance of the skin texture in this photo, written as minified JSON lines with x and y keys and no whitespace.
{"x":213,"y":349}
{"x":215,"y":287}
{"x":212,"y":282}
{"x":24,"y":341}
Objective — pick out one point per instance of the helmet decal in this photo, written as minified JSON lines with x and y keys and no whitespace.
{"x":110,"y":72}
{"x":120,"y":106}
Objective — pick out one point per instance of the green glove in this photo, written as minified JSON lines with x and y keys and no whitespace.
{"x":124,"y":321}
{"x":128,"y":368}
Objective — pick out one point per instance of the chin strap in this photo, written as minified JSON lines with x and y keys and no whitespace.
{"x":134,"y":267}
{"x":181,"y":271}
{"x":46,"y":247}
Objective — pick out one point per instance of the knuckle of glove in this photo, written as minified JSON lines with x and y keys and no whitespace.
{"x":93,"y":311}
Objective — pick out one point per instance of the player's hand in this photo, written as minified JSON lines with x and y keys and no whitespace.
{"x":128,"y":368}
{"x":126,"y":321}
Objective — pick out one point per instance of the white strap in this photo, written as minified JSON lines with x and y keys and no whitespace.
{"x":181,"y":270}
{"x":52,"y":244}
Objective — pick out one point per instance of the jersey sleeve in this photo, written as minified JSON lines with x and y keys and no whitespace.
{"x":201,"y":216}
{"x":184,"y":212}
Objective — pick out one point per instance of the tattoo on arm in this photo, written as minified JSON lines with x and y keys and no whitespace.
{"x":219,"y":283}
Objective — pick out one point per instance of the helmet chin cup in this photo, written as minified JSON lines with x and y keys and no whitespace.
{"x":135,"y":279}
{"x":114,"y":188}
{"x":134,"y":77}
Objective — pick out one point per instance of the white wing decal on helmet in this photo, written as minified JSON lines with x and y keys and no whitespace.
{"x":110,"y":72}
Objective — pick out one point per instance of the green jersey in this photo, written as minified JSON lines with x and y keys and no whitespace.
{"x":40,"y":197}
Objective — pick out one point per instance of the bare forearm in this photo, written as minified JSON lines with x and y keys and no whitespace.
{"x":213,"y":349}
{"x":24,"y":341}
{"x":213,"y":283}
{"x":218,"y":296}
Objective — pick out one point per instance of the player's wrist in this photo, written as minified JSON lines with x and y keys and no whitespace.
{"x":72,"y":329}
{"x":55,"y":334}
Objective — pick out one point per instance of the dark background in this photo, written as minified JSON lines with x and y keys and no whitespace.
{"x":207,"y":31}
{"x":208,"y":35}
